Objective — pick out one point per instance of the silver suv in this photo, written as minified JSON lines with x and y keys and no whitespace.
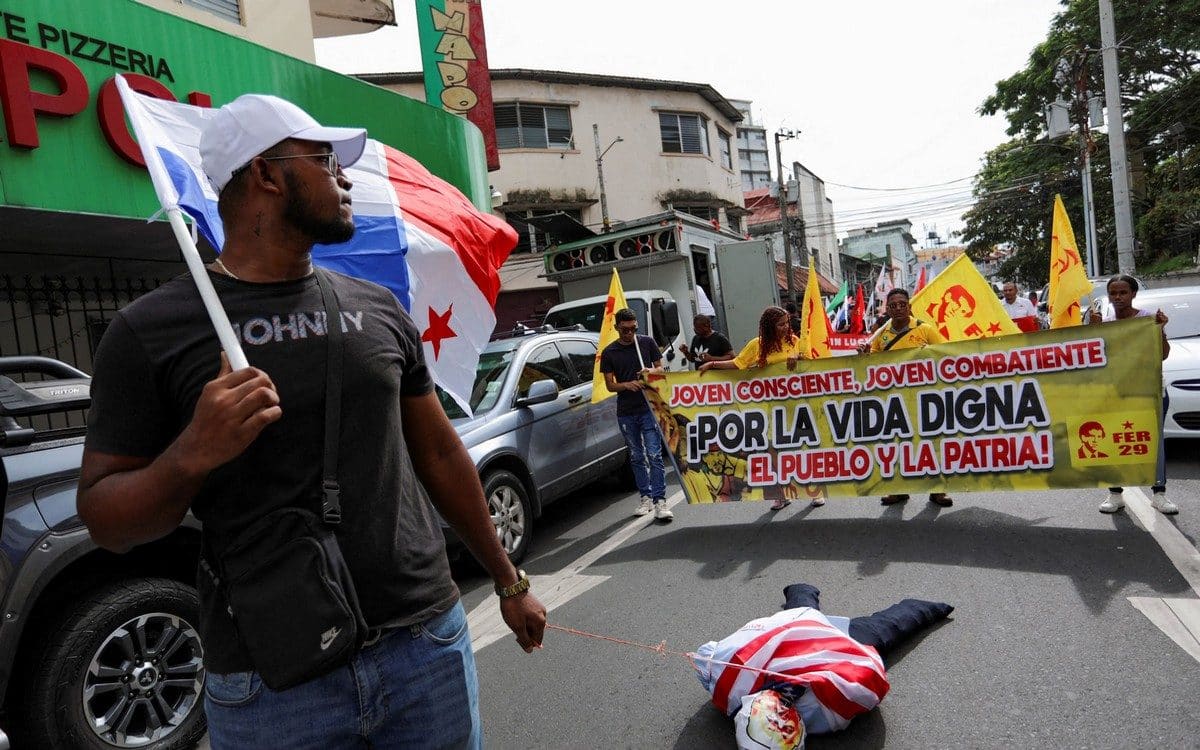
{"x":535,"y":434}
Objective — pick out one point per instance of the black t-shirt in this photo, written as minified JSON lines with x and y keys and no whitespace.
{"x":155,"y":359}
{"x":714,"y":343}
{"x":622,"y":361}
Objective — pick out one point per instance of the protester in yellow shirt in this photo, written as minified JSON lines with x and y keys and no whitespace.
{"x":775,"y":343}
{"x":904,"y":331}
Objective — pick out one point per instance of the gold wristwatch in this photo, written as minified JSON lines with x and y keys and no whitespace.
{"x":518,"y":588}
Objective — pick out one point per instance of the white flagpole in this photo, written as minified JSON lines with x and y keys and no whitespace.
{"x":212,"y":303}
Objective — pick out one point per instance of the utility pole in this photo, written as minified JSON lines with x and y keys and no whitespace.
{"x":783,"y":213}
{"x":600,"y":173}
{"x":1116,"y":140}
{"x":1083,"y":115}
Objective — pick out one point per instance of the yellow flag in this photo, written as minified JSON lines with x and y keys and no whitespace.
{"x":962,"y":304}
{"x":608,"y":334}
{"x":814,"y":324}
{"x":1068,"y":280}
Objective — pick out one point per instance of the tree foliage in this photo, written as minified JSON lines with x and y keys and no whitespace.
{"x":1159,"y":60}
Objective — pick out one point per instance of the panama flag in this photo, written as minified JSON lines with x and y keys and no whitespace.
{"x":415,"y":234}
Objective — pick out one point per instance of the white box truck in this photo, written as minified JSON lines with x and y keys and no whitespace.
{"x":670,"y":265}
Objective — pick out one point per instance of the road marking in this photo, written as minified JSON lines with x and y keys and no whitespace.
{"x":556,"y":589}
{"x":1179,"y":619}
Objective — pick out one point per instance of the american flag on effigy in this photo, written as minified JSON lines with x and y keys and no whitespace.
{"x":843,"y":677}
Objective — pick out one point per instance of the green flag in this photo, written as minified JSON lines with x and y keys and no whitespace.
{"x":838,"y":299}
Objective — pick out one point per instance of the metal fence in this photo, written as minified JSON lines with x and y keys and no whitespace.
{"x":62,"y":318}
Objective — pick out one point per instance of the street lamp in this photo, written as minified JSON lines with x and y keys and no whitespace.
{"x":783,"y":215}
{"x":600,"y":173}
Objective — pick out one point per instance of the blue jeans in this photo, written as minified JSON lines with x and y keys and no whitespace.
{"x":414,"y":688}
{"x":645,"y":453}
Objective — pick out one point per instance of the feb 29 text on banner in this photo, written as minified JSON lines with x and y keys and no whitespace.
{"x":1074,"y":407}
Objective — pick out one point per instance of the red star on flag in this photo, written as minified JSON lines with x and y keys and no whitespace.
{"x":439,"y":329}
{"x":1128,"y":425}
{"x":994,"y":328}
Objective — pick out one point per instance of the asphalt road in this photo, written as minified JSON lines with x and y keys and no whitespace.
{"x":1045,"y":648}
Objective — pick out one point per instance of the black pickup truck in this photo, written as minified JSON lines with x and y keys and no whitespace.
{"x":97,"y":650}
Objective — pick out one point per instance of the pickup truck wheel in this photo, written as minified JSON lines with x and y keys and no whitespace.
{"x":512,"y":515}
{"x":124,"y":669}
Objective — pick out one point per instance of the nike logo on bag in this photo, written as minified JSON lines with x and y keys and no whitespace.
{"x":328,"y":637}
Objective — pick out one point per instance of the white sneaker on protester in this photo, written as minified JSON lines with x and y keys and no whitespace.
{"x":644,"y":507}
{"x":662,"y":512}
{"x":1113,"y":504}
{"x":1163,"y":505}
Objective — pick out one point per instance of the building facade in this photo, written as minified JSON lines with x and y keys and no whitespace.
{"x":754,"y":163}
{"x":281,"y":25}
{"x":662,"y":145}
{"x":805,"y":199}
{"x":888,"y":244}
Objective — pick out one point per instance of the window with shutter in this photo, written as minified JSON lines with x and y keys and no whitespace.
{"x":669,"y":126}
{"x":230,"y":10}
{"x":726,"y":149}
{"x":533,"y":126}
{"x":683,"y":134}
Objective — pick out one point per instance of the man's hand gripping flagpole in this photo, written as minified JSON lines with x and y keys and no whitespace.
{"x":144,"y":129}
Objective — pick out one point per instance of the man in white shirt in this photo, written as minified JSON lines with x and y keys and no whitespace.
{"x":1019,"y":308}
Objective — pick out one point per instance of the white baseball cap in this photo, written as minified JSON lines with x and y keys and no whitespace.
{"x":253,"y":123}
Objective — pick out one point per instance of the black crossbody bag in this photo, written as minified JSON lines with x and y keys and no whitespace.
{"x":284,"y":579}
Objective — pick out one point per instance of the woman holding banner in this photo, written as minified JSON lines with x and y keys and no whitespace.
{"x":775,"y":343}
{"x":1121,"y":292}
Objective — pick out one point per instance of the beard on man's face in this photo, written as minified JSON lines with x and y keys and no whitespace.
{"x":327,"y":227}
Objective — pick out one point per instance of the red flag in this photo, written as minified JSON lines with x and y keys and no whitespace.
{"x":856,"y":319}
{"x":920,"y":281}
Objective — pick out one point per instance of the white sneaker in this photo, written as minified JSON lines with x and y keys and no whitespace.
{"x":1113,"y":504}
{"x":644,"y":507}
{"x":1163,"y":505}
{"x":662,"y":512}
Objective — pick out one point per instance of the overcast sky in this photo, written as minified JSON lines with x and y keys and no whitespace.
{"x":884,"y":93}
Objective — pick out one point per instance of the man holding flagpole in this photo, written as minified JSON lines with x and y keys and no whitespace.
{"x":623,"y":362}
{"x":173,"y":428}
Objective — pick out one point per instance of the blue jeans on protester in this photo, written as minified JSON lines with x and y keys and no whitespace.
{"x":414,"y":688}
{"x":645,"y":454}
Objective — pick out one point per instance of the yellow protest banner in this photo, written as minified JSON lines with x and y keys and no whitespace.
{"x":608,"y":334}
{"x":961,"y":303}
{"x":1033,"y":411}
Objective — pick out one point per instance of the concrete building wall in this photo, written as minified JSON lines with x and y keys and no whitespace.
{"x":282,"y":25}
{"x":873,"y":244}
{"x":817,"y":210}
{"x":637,"y":173}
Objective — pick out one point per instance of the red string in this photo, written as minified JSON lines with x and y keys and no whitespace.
{"x":662,"y":649}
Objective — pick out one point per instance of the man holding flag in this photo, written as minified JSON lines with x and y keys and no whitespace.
{"x":174,"y":428}
{"x":623,"y":362}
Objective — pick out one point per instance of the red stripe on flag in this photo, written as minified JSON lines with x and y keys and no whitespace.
{"x":481,"y":241}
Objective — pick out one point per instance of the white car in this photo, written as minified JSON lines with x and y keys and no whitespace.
{"x":1181,"y":368}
